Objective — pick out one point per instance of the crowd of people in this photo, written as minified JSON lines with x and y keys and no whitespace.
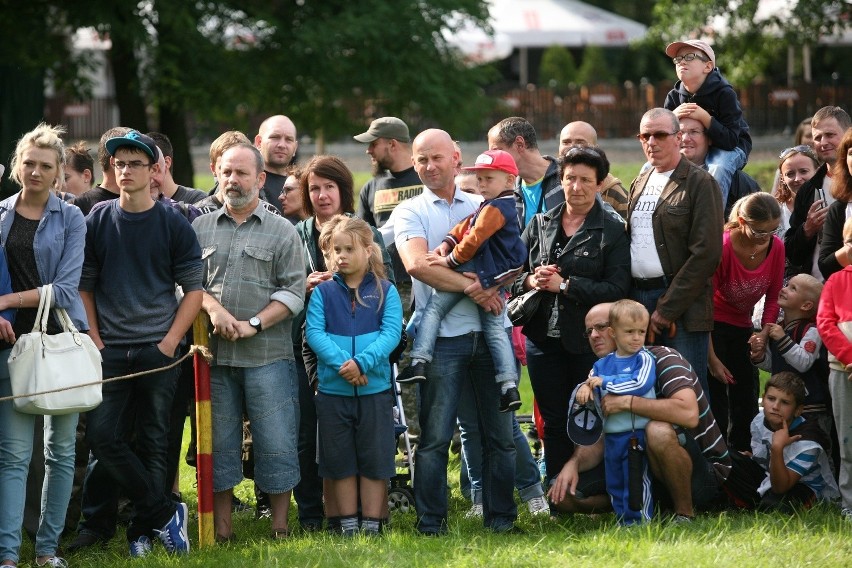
{"x":656,"y":305}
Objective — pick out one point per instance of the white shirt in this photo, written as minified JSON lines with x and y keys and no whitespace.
{"x":644,"y":259}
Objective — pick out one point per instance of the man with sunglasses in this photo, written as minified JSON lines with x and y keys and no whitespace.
{"x":675,"y":221}
{"x":813,"y":198}
{"x":703,"y":94}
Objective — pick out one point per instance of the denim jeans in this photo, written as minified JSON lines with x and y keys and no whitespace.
{"x":527,"y":474}
{"x":16,"y":444}
{"x":722,"y":164}
{"x":100,"y":502}
{"x":553,"y":374}
{"x":308,"y":492}
{"x":270,"y":397}
{"x":141,"y":406}
{"x":693,"y":345}
{"x":461,"y":382}
{"x":493,"y":328}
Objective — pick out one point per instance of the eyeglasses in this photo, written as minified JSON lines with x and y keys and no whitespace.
{"x":645,"y":137}
{"x":760,"y":234}
{"x":693,"y":133}
{"x":688,"y":57}
{"x":290,"y":188}
{"x":134,"y":165}
{"x":599,"y":327}
{"x":800,"y":149}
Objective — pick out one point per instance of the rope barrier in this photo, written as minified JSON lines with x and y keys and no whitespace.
{"x":200,"y":349}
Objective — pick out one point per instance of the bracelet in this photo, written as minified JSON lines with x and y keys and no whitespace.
{"x":20,"y":301}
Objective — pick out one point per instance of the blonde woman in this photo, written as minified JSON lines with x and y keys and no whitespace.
{"x":43,"y":240}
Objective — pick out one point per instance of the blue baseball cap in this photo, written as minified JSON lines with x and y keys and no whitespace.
{"x":137,"y":140}
{"x":585,"y":421}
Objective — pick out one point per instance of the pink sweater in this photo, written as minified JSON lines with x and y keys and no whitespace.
{"x":736,"y":289}
{"x":835,"y":311}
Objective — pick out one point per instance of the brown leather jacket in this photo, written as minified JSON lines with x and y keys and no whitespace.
{"x":688,"y":232}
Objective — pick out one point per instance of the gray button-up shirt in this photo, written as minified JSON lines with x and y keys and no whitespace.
{"x":245,"y":267}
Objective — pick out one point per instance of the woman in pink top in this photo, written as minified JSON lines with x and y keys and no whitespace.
{"x":752,"y":265}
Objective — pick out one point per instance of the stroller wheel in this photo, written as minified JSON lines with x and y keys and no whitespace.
{"x":400,"y":499}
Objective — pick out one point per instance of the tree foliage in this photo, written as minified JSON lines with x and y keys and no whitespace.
{"x":558,"y":69}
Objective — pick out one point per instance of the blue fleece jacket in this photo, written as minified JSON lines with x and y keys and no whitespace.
{"x":339,"y":328}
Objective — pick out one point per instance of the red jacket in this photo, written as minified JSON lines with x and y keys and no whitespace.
{"x":835,"y":314}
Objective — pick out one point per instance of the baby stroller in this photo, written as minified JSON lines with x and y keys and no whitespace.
{"x":401,"y":486}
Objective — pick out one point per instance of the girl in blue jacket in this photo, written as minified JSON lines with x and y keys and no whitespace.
{"x":353,"y":324}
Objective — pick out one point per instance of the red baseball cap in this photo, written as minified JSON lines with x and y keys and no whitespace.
{"x":495,"y":160}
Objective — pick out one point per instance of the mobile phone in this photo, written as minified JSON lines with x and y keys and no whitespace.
{"x":820,"y":194}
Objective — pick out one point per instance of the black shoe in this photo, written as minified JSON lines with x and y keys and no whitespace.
{"x":262,"y":512}
{"x":85,"y":540}
{"x":510,"y":400}
{"x":415,"y":373}
{"x":238,"y":506}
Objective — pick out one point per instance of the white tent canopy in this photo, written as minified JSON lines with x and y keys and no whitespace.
{"x":523,"y":24}
{"x":542,"y":23}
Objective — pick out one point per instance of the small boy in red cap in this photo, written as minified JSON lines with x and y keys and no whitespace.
{"x":489,"y":244}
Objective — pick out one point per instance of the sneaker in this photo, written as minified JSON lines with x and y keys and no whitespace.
{"x":539,"y":506}
{"x":262,"y":512}
{"x":846,"y":513}
{"x":475,"y":512}
{"x":682,"y":519}
{"x":53,"y":561}
{"x":510,"y":400}
{"x":140,"y":547}
{"x":414,"y":373}
{"x":173,"y":535}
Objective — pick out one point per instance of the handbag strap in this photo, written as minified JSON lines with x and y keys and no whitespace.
{"x":542,"y":245}
{"x":44,"y":301}
{"x":45,"y":296}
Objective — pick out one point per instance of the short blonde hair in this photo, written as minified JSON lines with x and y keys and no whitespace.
{"x":811,"y":287}
{"x":224,"y":141}
{"x":43,"y":136}
{"x":627,"y":310}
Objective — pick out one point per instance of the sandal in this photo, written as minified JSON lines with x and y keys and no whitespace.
{"x":280,"y":534}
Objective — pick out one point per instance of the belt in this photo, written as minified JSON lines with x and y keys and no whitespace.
{"x":650,"y":283}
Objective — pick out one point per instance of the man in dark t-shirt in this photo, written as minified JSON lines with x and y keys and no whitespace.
{"x":108,"y":189}
{"x":394,"y":180}
{"x":277,"y":142}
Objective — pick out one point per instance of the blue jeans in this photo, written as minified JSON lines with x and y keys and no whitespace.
{"x":693,"y":345}
{"x":142,"y":406}
{"x":527,"y":474}
{"x":722,"y":164}
{"x":493,"y":327}
{"x":460,"y":383}
{"x":270,"y":397}
{"x":16,"y":445}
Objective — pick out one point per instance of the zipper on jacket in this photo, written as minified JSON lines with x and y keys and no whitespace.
{"x":353,"y":329}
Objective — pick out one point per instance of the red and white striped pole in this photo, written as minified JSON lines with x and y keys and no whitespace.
{"x":204,"y":434}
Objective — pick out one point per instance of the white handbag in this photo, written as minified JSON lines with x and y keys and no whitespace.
{"x":41,"y":362}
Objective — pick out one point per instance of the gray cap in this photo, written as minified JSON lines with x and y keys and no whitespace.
{"x":385,"y":127}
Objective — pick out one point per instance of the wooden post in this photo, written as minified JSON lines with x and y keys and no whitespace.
{"x":204,"y":432}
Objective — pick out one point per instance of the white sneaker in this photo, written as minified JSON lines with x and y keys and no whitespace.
{"x":846,"y":513}
{"x":475,"y":511}
{"x":539,"y":506}
{"x":54,"y":561}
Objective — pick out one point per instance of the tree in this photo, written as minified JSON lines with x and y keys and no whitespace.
{"x":558,"y":69}
{"x":594,"y":68}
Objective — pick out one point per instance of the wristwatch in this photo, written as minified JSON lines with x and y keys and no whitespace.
{"x":563,"y":286}
{"x":255,"y":323}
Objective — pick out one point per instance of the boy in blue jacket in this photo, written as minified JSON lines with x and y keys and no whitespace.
{"x":489,"y":244}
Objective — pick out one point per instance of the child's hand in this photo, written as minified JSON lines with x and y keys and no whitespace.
{"x":594,"y":382}
{"x":442,"y":249}
{"x":849,"y":370}
{"x":776,"y":332}
{"x":436,"y":260}
{"x":781,"y":437}
{"x":584,"y":394}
